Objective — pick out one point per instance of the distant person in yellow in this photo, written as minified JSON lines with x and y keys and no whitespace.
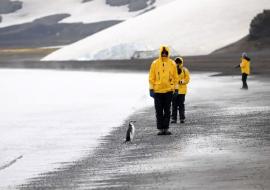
{"x":178,"y":102}
{"x":245,"y":69}
{"x":163,"y":80}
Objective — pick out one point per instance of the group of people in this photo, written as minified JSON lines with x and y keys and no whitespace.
{"x":168,"y":80}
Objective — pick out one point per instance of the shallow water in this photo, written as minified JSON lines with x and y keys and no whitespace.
{"x":52,"y":117}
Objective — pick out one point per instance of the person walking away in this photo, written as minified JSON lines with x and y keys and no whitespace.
{"x":162,"y":83}
{"x":179,"y":98}
{"x":245,"y":69}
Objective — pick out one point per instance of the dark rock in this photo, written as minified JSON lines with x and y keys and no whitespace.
{"x":133,"y":5}
{"x":260,"y":26}
{"x":7,"y":6}
{"x":152,"y":2}
{"x":117,"y":2}
{"x":52,"y":19}
{"x":85,"y":1}
{"x":47,"y":31}
{"x":0,"y":18}
{"x":136,"y":5}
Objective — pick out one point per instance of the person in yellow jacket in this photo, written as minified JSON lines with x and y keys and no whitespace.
{"x":163,"y":82}
{"x":179,"y":98}
{"x":245,"y":69}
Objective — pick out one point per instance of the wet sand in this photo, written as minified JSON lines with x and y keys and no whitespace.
{"x":225,"y":144}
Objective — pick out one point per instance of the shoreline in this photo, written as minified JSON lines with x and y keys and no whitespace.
{"x":220,"y":63}
{"x":225,"y":144}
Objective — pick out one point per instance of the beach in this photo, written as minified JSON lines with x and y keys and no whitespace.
{"x":224,"y":144}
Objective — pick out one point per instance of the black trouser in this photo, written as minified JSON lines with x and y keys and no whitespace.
{"x":163,"y":109}
{"x":178,"y":103}
{"x":244,"y":80}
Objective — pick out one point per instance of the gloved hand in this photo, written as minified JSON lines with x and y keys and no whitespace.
{"x":152,"y":93}
{"x":175,"y":92}
{"x":237,"y":66}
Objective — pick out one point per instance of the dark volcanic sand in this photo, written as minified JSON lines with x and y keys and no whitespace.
{"x":225,"y":144}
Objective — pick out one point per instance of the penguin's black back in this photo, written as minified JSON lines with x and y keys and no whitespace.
{"x":128,"y":132}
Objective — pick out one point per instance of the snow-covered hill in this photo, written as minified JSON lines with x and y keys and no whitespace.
{"x":39,"y":23}
{"x":80,"y":10}
{"x":191,"y":27}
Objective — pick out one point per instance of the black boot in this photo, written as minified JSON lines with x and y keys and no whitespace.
{"x":173,"y":121}
{"x":167,"y":132}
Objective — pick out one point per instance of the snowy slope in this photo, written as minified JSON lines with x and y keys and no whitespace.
{"x":88,"y":12}
{"x":191,"y":28}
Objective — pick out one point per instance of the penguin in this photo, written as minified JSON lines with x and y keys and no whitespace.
{"x":130,"y":131}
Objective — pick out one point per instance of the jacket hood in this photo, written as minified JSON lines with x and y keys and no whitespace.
{"x":245,"y":56}
{"x":182,"y":60}
{"x":162,"y":48}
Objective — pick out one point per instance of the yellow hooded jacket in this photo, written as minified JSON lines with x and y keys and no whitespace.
{"x":245,"y":66}
{"x":163,"y":76}
{"x":183,"y":79}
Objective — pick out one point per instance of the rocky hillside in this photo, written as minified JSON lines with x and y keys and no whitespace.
{"x":258,"y":39}
{"x":57,"y":23}
{"x":133,"y":5}
{"x":47,"y":31}
{"x":260,"y":26}
{"x":7,"y":6}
